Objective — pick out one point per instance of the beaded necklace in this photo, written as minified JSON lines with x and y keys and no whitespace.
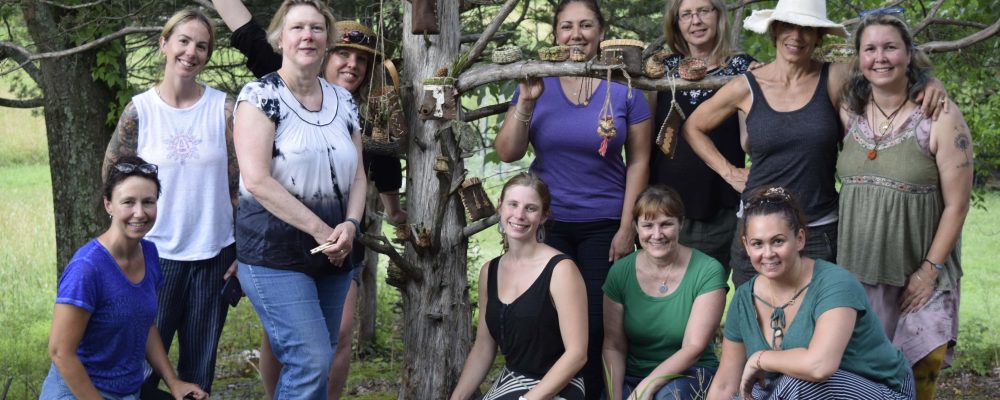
{"x":778,"y":315}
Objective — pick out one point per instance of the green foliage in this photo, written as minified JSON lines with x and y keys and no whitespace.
{"x":978,"y":347}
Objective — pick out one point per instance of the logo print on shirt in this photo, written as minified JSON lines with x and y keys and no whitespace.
{"x":182,"y":146}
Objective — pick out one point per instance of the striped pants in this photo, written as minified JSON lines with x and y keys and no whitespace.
{"x":511,"y":385}
{"x":842,"y":385}
{"x":190,"y":305}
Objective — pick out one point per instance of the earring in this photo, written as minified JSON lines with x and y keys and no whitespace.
{"x":540,"y":234}
{"x":110,"y":216}
{"x":500,"y":228}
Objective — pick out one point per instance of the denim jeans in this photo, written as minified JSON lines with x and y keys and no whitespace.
{"x":54,"y":388}
{"x":694,"y":385}
{"x":301,"y":315}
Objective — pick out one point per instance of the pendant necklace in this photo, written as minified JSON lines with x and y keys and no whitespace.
{"x":663,"y":289}
{"x":778,"y":314}
{"x":884,"y":128}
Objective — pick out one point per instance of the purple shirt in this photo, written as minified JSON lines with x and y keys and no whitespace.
{"x":584,"y":185}
{"x":113,"y":346}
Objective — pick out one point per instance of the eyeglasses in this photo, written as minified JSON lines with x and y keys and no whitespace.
{"x":358,"y":37}
{"x":126,"y":168}
{"x":702,"y":13}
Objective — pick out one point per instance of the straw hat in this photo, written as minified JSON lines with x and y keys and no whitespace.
{"x":811,"y":13}
{"x":356,"y":36}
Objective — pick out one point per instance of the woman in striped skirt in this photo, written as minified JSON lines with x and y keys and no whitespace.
{"x":816,"y":336}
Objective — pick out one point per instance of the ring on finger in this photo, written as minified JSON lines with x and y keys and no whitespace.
{"x":941,"y":101}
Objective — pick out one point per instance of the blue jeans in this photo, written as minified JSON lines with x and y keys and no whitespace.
{"x":694,"y":385}
{"x":301,"y":315}
{"x":54,"y":388}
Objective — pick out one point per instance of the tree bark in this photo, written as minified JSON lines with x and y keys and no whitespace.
{"x":368,"y":291}
{"x":436,"y":310}
{"x":76,"y":109}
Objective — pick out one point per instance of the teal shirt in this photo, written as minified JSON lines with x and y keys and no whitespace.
{"x":869,"y":352}
{"x":654,"y":326}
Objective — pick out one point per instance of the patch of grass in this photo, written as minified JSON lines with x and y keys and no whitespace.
{"x":22,"y":136}
{"x":978,"y":347}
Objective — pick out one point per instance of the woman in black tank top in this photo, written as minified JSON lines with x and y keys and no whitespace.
{"x":531,"y":305}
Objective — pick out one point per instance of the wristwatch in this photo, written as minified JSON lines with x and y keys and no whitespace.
{"x":936,"y":265}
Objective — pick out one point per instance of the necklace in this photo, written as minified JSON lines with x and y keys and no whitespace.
{"x":778,"y":315}
{"x":663,"y":289}
{"x":884,"y":128}
{"x":584,"y":89}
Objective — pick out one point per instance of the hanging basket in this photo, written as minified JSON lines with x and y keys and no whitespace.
{"x":666,"y":139}
{"x":692,"y":69}
{"x":653,"y":67}
{"x":577,"y":54}
{"x":506,"y":54}
{"x":626,"y":52}
{"x":441,"y":163}
{"x":477,"y":203}
{"x":403,"y":233}
{"x":384,"y":111}
{"x":554,"y":53}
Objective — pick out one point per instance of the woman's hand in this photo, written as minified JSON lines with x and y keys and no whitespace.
{"x":933,"y":99}
{"x":919,"y":289}
{"x":737,"y":178}
{"x":342,"y":238}
{"x":182,"y":390}
{"x":622,"y":244}
{"x":530,"y":89}
{"x":752,"y":375}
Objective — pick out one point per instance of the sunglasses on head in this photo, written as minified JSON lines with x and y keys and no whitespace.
{"x":358,"y":37}
{"x":148,"y":169}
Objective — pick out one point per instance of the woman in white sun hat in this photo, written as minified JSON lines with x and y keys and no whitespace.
{"x":792,"y":126}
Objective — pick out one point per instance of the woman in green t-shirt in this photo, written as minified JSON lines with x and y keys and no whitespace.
{"x":662,"y":306}
{"x":816,"y":336}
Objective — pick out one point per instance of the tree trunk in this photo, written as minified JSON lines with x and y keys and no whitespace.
{"x":436,"y":312}
{"x":368,"y":292}
{"x":76,"y":108}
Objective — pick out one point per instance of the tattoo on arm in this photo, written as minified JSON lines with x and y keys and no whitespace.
{"x":233,"y":166}
{"x":124,"y":140}
{"x":963,"y":142}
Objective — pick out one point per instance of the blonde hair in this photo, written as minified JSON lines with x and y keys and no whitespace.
{"x":190,"y":14}
{"x":278,"y":21}
{"x":672,"y":29}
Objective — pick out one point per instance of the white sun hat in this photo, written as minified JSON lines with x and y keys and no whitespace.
{"x":811,"y":13}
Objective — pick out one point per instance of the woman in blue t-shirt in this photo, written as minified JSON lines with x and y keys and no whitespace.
{"x":103,"y":325}
{"x":801,"y":328}
{"x":592,"y":191}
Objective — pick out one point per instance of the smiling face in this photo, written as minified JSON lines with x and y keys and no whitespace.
{"x":521,"y":212}
{"x":347,"y":67}
{"x":658,"y":234}
{"x":303,"y":35}
{"x":578,"y":26}
{"x":771,"y":244}
{"x":186,"y":49}
{"x":794,"y":43}
{"x":699,"y":32}
{"x":883,"y":56}
{"x":132,"y":207}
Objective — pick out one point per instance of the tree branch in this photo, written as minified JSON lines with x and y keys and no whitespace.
{"x":73,"y":7}
{"x":81,"y":48}
{"x":480,"y":225}
{"x":490,"y":30}
{"x":21,"y":56}
{"x":855,"y":20}
{"x":949,"y":21}
{"x":945,"y":46}
{"x":380,"y":244}
{"x":485,"y":111}
{"x":483,"y":74}
{"x":928,"y":18}
{"x":29,"y":103}
{"x":472,"y":37}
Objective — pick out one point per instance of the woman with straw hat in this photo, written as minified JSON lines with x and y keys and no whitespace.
{"x":792,"y":126}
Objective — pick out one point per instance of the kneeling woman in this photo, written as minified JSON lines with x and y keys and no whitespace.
{"x":817,"y":336}
{"x":662,"y":306}
{"x":103,"y":326}
{"x":532,"y":303}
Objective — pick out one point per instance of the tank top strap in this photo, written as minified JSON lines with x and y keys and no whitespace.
{"x":821,"y":93}
{"x":491,"y":286}
{"x":754,"y":87}
{"x":546,"y":275}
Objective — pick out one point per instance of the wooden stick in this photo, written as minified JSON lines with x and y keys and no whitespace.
{"x":322,"y":247}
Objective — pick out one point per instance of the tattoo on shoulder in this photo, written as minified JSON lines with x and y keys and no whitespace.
{"x":125,"y":139}
{"x":963,"y":142}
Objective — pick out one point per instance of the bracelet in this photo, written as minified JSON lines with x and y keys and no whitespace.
{"x":934,"y":264}
{"x":761,"y":355}
{"x":357,"y":225}
{"x":518,"y":114}
{"x":917,"y":274}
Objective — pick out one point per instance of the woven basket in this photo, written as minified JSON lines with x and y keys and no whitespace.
{"x":692,"y":69}
{"x":623,"y":51}
{"x":653,"y":67}
{"x":834,"y":52}
{"x":554,"y":53}
{"x":506,"y":54}
{"x":577,"y":54}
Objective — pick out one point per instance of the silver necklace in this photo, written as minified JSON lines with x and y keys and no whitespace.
{"x":663,"y":289}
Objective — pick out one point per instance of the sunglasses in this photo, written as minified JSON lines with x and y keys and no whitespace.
{"x":892,"y":10}
{"x":127,"y":168}
{"x":358,"y":37}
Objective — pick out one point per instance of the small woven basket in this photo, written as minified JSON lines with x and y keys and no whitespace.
{"x":834,"y":53}
{"x":506,"y":54}
{"x":653,"y":67}
{"x":692,"y":69}
{"x":577,"y":54}
{"x":554,"y":53}
{"x":627,"y":52}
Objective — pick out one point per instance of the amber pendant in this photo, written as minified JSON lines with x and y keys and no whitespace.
{"x":872,"y":154}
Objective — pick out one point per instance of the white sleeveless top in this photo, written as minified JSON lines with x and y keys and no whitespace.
{"x":194,"y":213}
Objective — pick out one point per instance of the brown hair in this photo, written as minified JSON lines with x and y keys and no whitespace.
{"x":190,"y":14}
{"x":656,"y":200}
{"x":278,"y":21}
{"x":532,"y":181}
{"x":857,"y":90}
{"x":773,"y":200}
{"x":672,"y":29}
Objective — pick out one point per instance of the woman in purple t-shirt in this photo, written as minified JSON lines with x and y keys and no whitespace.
{"x":592,"y":192}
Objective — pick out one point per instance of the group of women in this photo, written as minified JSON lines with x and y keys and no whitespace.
{"x":576,"y":312}
{"x":295,"y":135}
{"x":905,"y":167}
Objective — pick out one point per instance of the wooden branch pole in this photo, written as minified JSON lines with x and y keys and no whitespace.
{"x":485,"y":111}
{"x":481,"y":75}
{"x":490,"y":30}
{"x":380,"y":244}
{"x":945,"y":46}
{"x":480,"y":225}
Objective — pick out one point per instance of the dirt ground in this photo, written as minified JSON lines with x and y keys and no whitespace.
{"x":961,"y":385}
